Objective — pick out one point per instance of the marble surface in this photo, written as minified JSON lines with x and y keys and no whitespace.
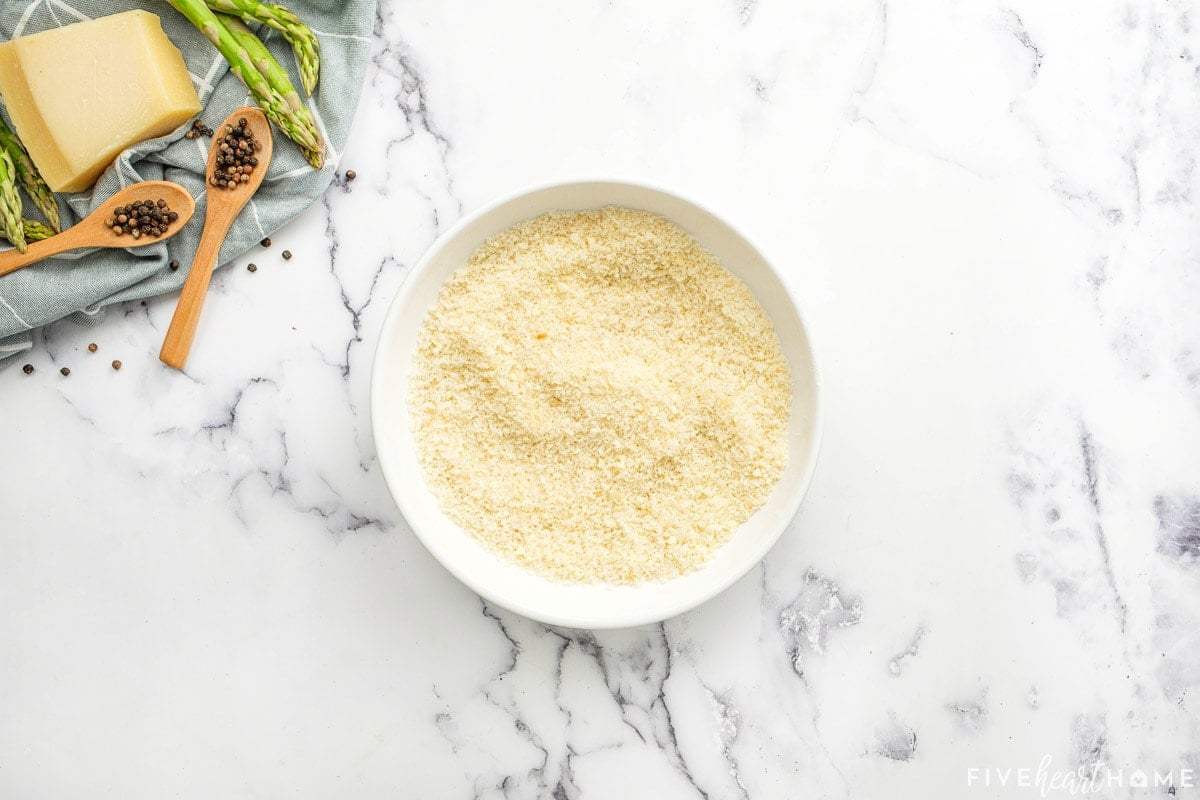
{"x":990,"y":215}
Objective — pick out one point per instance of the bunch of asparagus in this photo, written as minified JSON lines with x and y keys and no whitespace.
{"x":223,"y":22}
{"x":17,"y":168}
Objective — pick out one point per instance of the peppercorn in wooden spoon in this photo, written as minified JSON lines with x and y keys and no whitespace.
{"x":136,"y":216}
{"x":237,"y":163}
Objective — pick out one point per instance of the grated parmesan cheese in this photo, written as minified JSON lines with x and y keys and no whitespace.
{"x":597,"y":399}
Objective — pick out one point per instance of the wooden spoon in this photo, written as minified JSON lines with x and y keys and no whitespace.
{"x":223,"y":207}
{"x":91,"y":231}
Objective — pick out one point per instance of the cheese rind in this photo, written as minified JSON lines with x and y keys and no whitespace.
{"x":80,"y":94}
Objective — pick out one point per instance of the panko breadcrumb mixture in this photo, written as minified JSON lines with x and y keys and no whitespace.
{"x":597,"y":399}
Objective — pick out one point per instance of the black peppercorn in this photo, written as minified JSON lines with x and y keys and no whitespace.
{"x":143,"y":218}
{"x":266,"y":242}
{"x":233,"y":155}
{"x":350,"y":175}
{"x":174,"y":265}
{"x":28,"y":369}
{"x":287,"y":255}
{"x":252,"y":267}
{"x":65,"y":372}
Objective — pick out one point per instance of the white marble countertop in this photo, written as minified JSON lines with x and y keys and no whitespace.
{"x":989,"y":215}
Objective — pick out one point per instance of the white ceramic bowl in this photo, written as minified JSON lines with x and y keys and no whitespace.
{"x":510,"y":586}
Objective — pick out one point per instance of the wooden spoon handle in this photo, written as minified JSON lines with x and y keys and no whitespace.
{"x":178,"y":343}
{"x":70,"y":239}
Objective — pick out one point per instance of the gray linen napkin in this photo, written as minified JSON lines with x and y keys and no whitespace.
{"x":83,"y":283}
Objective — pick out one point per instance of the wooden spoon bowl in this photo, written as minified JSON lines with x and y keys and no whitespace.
{"x":93,"y":230}
{"x":223,"y":207}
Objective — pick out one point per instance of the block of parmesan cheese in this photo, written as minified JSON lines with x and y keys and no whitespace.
{"x":80,"y":94}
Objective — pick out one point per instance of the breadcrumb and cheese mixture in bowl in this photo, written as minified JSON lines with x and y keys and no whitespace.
{"x":594,"y":397}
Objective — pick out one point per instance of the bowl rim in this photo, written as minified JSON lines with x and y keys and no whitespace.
{"x":547,"y":616}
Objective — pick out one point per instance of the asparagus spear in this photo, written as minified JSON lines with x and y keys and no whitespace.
{"x":278,"y":80}
{"x":10,"y":203}
{"x":36,"y":231}
{"x":29,"y":176}
{"x":300,"y":36}
{"x":295,"y":126}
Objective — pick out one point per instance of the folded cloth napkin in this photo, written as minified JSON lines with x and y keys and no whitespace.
{"x":83,"y":283}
